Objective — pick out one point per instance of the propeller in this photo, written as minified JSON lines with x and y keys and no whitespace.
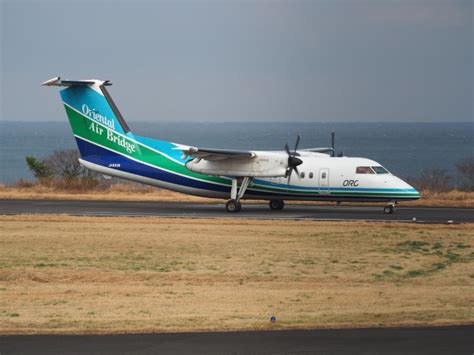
{"x":293,"y":160}
{"x":333,"y":154}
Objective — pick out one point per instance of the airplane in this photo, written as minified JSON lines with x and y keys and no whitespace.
{"x":108,"y":146}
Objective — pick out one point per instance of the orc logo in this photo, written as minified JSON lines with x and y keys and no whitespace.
{"x":350,"y":183}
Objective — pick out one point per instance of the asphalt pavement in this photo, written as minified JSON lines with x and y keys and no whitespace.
{"x":440,"y":340}
{"x":249,"y":210}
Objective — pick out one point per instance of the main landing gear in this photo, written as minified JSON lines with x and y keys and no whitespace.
{"x":390,"y":209}
{"x":234,"y":205}
{"x":277,"y":205}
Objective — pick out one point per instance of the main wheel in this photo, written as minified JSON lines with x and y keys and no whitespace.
{"x":233,"y":206}
{"x":389,"y":209}
{"x":277,"y":204}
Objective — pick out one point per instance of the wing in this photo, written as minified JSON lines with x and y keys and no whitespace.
{"x":217,"y":154}
{"x":318,"y":150}
{"x":235,"y":163}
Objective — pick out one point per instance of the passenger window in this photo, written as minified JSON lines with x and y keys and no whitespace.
{"x":311,"y":175}
{"x":302,"y":175}
{"x":323,"y":176}
{"x":364,"y":170}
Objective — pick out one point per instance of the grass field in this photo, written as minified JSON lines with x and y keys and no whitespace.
{"x":138,"y":192}
{"x":62,"y":274}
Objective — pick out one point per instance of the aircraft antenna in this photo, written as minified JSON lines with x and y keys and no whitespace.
{"x":333,"y":140}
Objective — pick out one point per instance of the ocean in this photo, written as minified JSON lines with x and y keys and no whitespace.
{"x":406,"y":149}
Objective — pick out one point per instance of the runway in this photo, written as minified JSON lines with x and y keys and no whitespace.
{"x":214,"y":210}
{"x":441,"y":340}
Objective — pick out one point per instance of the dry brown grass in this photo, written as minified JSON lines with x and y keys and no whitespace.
{"x":116,"y":192}
{"x":454,"y":198}
{"x":62,"y":274}
{"x":138,"y":192}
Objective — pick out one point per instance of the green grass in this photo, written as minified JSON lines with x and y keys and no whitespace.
{"x":453,"y":257}
{"x":437,"y":245}
{"x":413,"y":245}
{"x":55,"y":302}
{"x":396,"y":267}
{"x":412,"y":250}
{"x":44,"y":265}
{"x":9,"y":314}
{"x":384,"y":275}
{"x":461,"y":245}
{"x":425,"y":272}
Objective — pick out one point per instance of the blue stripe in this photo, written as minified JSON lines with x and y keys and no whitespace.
{"x":316,"y":189}
{"x":163,"y":146}
{"x":104,"y":157}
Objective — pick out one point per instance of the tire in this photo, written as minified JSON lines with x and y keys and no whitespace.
{"x":233,"y":206}
{"x":276,"y":205}
{"x":389,"y":209}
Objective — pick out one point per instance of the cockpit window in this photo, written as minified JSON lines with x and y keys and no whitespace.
{"x":364,"y":170}
{"x":380,"y":170}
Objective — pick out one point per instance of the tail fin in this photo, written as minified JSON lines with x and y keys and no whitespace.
{"x":93,"y":115}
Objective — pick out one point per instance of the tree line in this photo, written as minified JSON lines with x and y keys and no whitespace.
{"x":64,"y":165}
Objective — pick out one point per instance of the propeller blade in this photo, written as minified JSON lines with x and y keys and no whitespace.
{"x":297,"y":143}
{"x":293,"y":161}
{"x":297,"y":173}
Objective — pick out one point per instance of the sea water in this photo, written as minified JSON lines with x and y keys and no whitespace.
{"x":406,"y":149}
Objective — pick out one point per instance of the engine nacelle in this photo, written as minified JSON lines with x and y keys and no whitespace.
{"x":263,"y":164}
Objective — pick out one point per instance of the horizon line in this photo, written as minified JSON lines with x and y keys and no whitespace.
{"x":259,"y":122}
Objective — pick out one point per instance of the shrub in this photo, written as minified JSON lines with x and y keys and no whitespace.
{"x":23,"y":184}
{"x":39,"y":168}
{"x":465,"y":170}
{"x":435,"y":180}
{"x":65,"y":164}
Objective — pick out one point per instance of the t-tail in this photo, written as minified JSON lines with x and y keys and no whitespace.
{"x":95,"y":119}
{"x":106,"y":143}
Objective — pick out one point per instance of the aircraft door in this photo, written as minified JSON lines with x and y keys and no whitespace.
{"x":324,"y":181}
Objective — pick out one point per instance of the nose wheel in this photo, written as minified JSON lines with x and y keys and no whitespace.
{"x":390,"y":209}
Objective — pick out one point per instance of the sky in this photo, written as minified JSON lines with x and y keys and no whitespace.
{"x":219,"y":61}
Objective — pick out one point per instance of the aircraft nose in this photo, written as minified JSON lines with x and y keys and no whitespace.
{"x":415,"y":192}
{"x":408,"y":188}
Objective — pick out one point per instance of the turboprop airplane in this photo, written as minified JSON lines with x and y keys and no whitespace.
{"x":108,"y":146}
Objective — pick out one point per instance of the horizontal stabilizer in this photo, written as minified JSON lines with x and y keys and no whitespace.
{"x":58,"y":82}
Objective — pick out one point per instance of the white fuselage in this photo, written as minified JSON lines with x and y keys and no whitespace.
{"x":321,"y":177}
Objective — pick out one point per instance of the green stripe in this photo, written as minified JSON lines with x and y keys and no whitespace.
{"x":90,"y":130}
{"x":348,"y":193}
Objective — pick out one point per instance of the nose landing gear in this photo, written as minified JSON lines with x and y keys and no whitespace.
{"x":390,"y":209}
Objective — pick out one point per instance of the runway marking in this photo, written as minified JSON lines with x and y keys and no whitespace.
{"x":269,"y":218}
